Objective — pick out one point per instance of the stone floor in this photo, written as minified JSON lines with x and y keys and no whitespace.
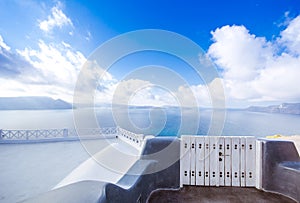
{"x":191,"y":194}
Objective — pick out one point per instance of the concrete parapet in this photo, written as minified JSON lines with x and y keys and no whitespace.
{"x":281,"y":168}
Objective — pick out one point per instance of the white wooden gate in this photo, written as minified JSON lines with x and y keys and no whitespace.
{"x":218,"y":161}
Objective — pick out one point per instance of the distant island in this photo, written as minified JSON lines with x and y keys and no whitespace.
{"x":286,"y":108}
{"x":32,"y":103}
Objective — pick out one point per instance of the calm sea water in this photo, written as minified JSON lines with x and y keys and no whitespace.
{"x":157,"y":121}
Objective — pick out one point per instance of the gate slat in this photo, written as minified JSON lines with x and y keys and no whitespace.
{"x":221,"y":160}
{"x":250,"y":161}
{"x":185,"y":161}
{"x":193,"y":160}
{"x":227,"y":162}
{"x":200,"y":155}
{"x":206,"y":161}
{"x":235,"y":162}
{"x":243,"y":161}
{"x":213,"y":164}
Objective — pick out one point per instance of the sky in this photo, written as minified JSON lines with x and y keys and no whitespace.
{"x":255,"y":46}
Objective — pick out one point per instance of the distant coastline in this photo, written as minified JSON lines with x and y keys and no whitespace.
{"x":48,"y":103}
{"x":284,"y":108}
{"x":33,"y":103}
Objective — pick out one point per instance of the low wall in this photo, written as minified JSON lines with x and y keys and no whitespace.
{"x":281,"y":168}
{"x":149,"y":173}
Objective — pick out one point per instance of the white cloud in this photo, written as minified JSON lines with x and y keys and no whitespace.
{"x":57,"y":18}
{"x":3,"y":44}
{"x":290,"y":37}
{"x":143,"y":93}
{"x":210,"y":95}
{"x":239,"y":53}
{"x":57,"y":63}
{"x":22,"y":87}
{"x":123,"y":91}
{"x":280,"y":80}
{"x":257,"y":70}
{"x":153,"y":96}
{"x":94,"y":81}
{"x":50,"y":70}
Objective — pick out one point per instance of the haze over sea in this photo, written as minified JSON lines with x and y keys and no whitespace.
{"x":159,"y":122}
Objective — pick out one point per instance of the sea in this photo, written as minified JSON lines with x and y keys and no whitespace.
{"x":157,"y":121}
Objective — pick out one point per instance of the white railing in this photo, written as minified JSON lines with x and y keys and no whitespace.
{"x":55,"y":133}
{"x":49,"y":135}
{"x":131,"y":138}
{"x":32,"y":134}
{"x":93,"y":131}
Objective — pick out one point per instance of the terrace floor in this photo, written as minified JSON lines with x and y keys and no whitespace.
{"x":27,"y":170}
{"x":193,"y":194}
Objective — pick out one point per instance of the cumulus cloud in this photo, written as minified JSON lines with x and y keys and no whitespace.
{"x":280,"y":80}
{"x":239,"y":53}
{"x":255,"y":69}
{"x":137,"y":92}
{"x":124,"y":90}
{"x":210,"y":95}
{"x":290,"y":37}
{"x":57,"y":18}
{"x":56,"y":62}
{"x":12,"y":65}
{"x":153,"y":96}
{"x":50,"y":70}
{"x":93,"y":85}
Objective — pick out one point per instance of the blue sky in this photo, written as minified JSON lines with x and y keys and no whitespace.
{"x":254,"y":44}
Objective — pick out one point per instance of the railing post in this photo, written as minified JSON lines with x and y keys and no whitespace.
{"x":65,"y":132}
{"x":1,"y":134}
{"x":117,"y":130}
{"x":26,"y":134}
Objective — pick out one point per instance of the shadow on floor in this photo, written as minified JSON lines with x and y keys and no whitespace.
{"x":189,"y":194}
